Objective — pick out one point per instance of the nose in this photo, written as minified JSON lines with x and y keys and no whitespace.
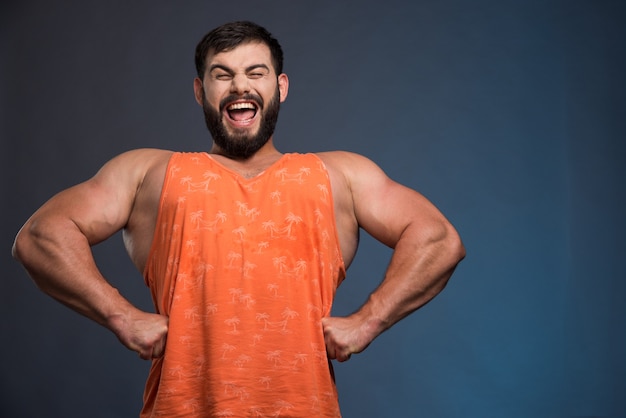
{"x":240,"y":84}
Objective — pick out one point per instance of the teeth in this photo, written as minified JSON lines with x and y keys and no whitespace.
{"x":238,"y":106}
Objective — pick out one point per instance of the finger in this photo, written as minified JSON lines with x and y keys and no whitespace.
{"x":149,"y":351}
{"x":159,"y":349}
{"x":145,"y":355}
{"x":330,"y":350}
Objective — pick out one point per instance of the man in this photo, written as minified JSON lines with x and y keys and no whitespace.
{"x":242,"y":248}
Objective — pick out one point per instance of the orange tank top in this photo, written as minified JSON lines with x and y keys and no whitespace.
{"x":245,"y":269}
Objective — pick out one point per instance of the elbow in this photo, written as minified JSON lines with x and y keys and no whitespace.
{"x":451,"y":253}
{"x":22,"y":243}
{"x":455,"y":246}
{"x":448,"y":244}
{"x":30,"y":239}
{"x":16,"y":249}
{"x":32,"y":248}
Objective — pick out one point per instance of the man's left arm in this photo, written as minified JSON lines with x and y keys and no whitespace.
{"x":426,"y":246}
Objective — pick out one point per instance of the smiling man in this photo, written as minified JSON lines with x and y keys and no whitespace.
{"x":242,"y":247}
{"x":239,"y":118}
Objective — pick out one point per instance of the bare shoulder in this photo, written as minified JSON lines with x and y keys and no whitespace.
{"x":354,"y":171}
{"x":357,"y":170}
{"x":381,"y":206}
{"x":146,"y":170}
{"x":136,"y":163}
{"x":347,"y":163}
{"x":342,"y":167}
{"x":133,"y":172}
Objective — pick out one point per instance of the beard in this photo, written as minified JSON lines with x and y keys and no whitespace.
{"x":240,"y":144}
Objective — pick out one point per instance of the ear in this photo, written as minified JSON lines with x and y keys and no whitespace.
{"x":198,"y":90}
{"x":283,"y":86}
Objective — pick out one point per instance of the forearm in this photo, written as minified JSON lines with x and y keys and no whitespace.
{"x":58,"y":258}
{"x":421,"y":265}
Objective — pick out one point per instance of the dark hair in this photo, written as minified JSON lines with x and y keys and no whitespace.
{"x":227,"y":37}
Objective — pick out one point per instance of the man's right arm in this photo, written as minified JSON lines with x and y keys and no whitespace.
{"x":55,"y":248}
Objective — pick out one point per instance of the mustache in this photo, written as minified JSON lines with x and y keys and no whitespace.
{"x":248,"y":96}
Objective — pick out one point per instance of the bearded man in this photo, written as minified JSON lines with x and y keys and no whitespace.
{"x":242,"y":247}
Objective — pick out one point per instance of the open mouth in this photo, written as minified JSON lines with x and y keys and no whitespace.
{"x":241,"y":111}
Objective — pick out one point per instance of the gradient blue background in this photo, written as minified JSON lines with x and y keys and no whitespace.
{"x":509,"y":115}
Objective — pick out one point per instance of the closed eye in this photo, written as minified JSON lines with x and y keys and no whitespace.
{"x":222,"y":76}
{"x":257,"y":71}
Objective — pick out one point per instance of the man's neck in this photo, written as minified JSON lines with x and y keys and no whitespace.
{"x":252,"y":166}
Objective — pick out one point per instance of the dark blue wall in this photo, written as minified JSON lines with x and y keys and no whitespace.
{"x":509,"y":115}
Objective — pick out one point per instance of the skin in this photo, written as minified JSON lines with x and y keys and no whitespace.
{"x":54,"y":244}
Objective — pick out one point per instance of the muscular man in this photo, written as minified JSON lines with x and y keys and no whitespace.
{"x":242,"y":248}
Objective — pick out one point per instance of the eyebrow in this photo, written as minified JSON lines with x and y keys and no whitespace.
{"x":231,"y":71}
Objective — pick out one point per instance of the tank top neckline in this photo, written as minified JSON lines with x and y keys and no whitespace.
{"x":240,"y":176}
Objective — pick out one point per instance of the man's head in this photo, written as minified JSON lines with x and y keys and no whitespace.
{"x":240,"y":86}
{"x":229,"y":36}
